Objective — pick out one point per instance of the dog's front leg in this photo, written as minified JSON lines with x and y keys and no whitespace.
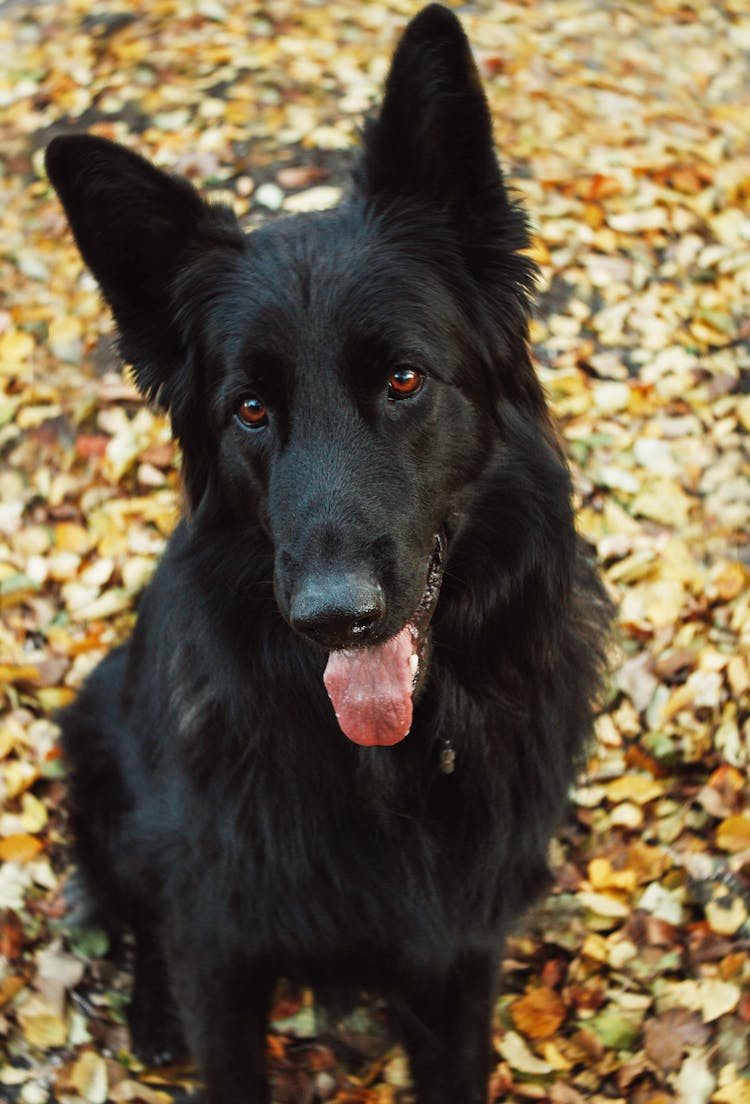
{"x":155,"y":1027}
{"x":445,"y":1026}
{"x":224,"y":1003}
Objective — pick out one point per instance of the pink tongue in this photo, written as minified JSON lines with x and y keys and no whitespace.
{"x":370,"y":689}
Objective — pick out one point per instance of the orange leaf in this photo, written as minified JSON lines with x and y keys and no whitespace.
{"x":20,"y":848}
{"x":275,"y":1048}
{"x":538,"y":1013}
{"x":11,"y":935}
{"x":600,"y":186}
{"x":91,"y":444}
{"x":9,"y":986}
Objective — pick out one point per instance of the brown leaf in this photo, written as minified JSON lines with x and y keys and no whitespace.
{"x":11,"y":934}
{"x":91,"y":444}
{"x":668,"y":1036}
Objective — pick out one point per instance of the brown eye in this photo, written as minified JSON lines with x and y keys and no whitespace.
{"x":404,"y":382}
{"x":252,"y":412}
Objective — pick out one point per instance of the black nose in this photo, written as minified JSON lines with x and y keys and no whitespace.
{"x":339,"y":610}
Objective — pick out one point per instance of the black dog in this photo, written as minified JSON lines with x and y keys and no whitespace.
{"x":345,"y":727}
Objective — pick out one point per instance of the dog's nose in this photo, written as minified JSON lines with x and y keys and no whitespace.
{"x":338,"y":611}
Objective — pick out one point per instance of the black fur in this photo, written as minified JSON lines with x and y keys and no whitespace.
{"x":219,"y":811}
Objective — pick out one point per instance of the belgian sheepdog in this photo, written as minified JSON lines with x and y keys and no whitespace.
{"x":346,"y":724}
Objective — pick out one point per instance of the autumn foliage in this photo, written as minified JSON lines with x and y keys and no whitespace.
{"x":626,"y":129}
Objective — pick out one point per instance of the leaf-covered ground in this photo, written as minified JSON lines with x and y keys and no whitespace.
{"x":626,"y":125}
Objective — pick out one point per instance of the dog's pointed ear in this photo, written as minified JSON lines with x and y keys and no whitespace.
{"x":137,"y":229}
{"x":433,"y":136}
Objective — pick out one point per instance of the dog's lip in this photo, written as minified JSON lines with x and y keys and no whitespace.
{"x":419,"y":623}
{"x":421,"y":618}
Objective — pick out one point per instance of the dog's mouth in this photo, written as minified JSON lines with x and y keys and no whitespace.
{"x":372,"y":689}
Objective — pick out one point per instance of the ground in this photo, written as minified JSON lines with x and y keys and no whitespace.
{"x":626,"y":127}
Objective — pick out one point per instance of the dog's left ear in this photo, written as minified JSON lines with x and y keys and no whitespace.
{"x":433,"y":136}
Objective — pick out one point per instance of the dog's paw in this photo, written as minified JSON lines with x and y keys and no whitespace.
{"x":157,"y":1044}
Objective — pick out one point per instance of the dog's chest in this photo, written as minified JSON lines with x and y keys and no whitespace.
{"x":316,"y":882}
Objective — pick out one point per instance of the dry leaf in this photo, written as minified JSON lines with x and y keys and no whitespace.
{"x":516,"y":1052}
{"x":539,"y":1013}
{"x":639,"y":788}
{"x":20,"y":848}
{"x":733,"y":834}
{"x":42,"y":1023}
{"x":668,"y":1037}
{"x":736,"y":1092}
{"x":89,"y":1077}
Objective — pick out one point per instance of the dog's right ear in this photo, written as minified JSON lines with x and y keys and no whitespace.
{"x":137,"y":229}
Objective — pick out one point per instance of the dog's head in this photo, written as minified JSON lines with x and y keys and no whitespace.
{"x":338,"y":379}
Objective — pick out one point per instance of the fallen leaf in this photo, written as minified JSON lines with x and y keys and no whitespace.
{"x":717,"y":998}
{"x":733,"y":834}
{"x":539,"y":1013}
{"x":42,"y":1024}
{"x":695,"y":1083}
{"x":516,"y":1052}
{"x":668,"y":1037}
{"x":89,"y":1077}
{"x":736,"y":1092}
{"x":20,"y":848}
{"x":639,"y":788}
{"x":616,"y":1028}
{"x":128,"y":1090}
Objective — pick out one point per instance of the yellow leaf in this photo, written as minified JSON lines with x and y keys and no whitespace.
{"x":738,"y":675}
{"x":736,"y":1092}
{"x":726,"y":913}
{"x":602,"y":905}
{"x":594,"y":947}
{"x":126,"y":1091}
{"x":728,"y":580}
{"x":52,"y":698}
{"x":538,"y":251}
{"x":18,"y":776}
{"x":555,"y":1058}
{"x":18,"y":672}
{"x":20,"y":848}
{"x":42,"y":1024}
{"x":717,"y":998}
{"x":665,"y":502}
{"x":515,"y":1051}
{"x":16,"y":346}
{"x":71,"y":537}
{"x":733,"y":834}
{"x":33,"y":813}
{"x":89,"y":1077}
{"x":640,"y":788}
{"x":602,"y":876}
{"x":64,"y":338}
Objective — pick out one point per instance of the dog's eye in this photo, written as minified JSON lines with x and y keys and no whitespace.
{"x":252,"y":413}
{"x":405,"y":381}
